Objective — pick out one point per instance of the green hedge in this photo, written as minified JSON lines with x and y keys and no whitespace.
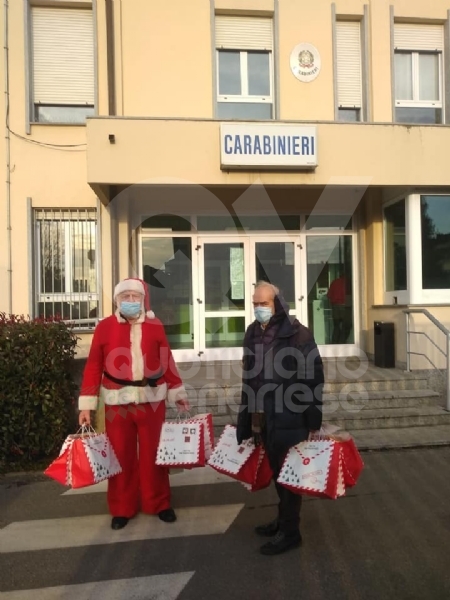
{"x":37,"y":390}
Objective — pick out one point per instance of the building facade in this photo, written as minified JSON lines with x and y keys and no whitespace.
{"x":206,"y":145}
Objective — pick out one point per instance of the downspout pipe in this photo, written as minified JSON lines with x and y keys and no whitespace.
{"x":8,"y":154}
{"x":111,"y":57}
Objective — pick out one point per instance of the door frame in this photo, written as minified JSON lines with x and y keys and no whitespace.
{"x":201,"y":354}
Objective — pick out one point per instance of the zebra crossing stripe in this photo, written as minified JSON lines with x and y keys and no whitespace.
{"x":203,"y":476}
{"x":49,"y":534}
{"x":157,"y":587}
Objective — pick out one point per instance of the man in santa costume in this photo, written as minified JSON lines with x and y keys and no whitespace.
{"x":131,"y":368}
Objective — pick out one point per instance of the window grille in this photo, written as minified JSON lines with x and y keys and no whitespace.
{"x":66,"y":265}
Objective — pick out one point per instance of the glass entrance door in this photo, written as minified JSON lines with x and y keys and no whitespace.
{"x":224,"y":298}
{"x":167,"y":268}
{"x":277,"y":261}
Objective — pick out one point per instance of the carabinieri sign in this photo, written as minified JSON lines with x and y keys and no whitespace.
{"x":268,"y":147}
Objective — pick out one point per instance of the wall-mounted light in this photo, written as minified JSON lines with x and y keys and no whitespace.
{"x":112,"y":138}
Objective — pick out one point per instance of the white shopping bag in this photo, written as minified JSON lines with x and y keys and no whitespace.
{"x":314,"y":468}
{"x":228,"y":455}
{"x":101,"y":456}
{"x":208,"y":431}
{"x":181,"y":444}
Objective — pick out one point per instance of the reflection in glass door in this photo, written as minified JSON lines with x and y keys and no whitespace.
{"x":275,"y":263}
{"x":224,"y":298}
{"x":330,"y":288}
{"x":167,"y":268}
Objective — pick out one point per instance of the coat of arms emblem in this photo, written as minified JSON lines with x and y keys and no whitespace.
{"x":306,"y":59}
{"x":305,"y":62}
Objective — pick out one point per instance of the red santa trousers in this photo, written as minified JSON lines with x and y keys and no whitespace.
{"x":142,"y":484}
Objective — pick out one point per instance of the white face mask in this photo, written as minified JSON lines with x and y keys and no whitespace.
{"x":263,"y":314}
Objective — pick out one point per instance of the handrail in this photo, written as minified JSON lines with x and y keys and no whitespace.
{"x":408,"y":312}
{"x":432,"y":318}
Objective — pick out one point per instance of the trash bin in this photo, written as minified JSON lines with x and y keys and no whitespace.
{"x":384,"y":342}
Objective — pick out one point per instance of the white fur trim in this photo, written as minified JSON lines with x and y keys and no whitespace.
{"x":133,"y":395}
{"x":174,"y":394}
{"x":137,"y":358}
{"x":87,"y":403}
{"x":150,"y":314}
{"x":129,"y":285}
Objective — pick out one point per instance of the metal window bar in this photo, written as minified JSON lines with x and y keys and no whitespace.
{"x":445,"y":353}
{"x":66,"y":269}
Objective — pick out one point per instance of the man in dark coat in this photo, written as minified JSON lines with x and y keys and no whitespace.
{"x":281,"y":400}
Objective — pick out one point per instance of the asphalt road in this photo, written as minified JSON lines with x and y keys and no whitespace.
{"x":388,"y":538}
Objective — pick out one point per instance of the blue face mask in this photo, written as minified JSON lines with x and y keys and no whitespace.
{"x":130,"y":309}
{"x":263,"y":314}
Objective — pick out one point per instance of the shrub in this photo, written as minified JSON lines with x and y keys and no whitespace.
{"x":37,"y":391}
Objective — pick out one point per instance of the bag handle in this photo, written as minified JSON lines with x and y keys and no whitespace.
{"x":180,"y":414}
{"x":86,"y":431}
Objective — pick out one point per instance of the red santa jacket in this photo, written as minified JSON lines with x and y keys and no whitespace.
{"x":129,"y":352}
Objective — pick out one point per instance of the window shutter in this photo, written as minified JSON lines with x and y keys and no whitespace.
{"x":244,"y":33}
{"x":349,"y":75}
{"x":408,"y":36}
{"x":63,"y":56}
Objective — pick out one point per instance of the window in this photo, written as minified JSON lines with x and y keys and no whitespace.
{"x":62,"y":64}
{"x":349,"y":70}
{"x":418,"y":73}
{"x":246,"y":223}
{"x":66,"y":281}
{"x":244,"y":68}
{"x":435,"y":225}
{"x":395,"y":247}
{"x":329,"y":222}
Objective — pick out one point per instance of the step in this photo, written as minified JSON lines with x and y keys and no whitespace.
{"x":381,"y":400}
{"x":406,"y":437}
{"x":346,"y":400}
{"x":375,"y":385}
{"x":211,"y":390}
{"x":388,"y":418}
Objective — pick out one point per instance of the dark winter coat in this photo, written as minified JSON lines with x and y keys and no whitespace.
{"x":283,"y":378}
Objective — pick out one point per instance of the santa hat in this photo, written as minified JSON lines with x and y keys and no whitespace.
{"x":139,"y":286}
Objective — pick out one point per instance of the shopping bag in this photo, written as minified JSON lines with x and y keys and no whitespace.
{"x":208,"y":431}
{"x":314,"y":468}
{"x":263,"y":474}
{"x":59,"y":469}
{"x":87,"y":458}
{"x":243,"y":462}
{"x":181,"y":444}
{"x":351,"y":461}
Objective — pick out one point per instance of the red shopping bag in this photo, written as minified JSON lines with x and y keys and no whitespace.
{"x":181,"y":445}
{"x":58,"y":470}
{"x":262,"y":477}
{"x":87,"y":458}
{"x":242,"y":462}
{"x":314,"y":468}
{"x":352,"y":462}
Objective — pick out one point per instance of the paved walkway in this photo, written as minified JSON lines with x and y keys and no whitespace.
{"x":388,"y":538}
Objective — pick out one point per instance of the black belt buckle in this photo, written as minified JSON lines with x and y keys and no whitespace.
{"x":144,"y":382}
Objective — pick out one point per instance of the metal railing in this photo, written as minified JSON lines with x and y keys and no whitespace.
{"x":445,"y":353}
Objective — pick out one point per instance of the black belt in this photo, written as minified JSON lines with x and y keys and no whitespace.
{"x":144,"y":382}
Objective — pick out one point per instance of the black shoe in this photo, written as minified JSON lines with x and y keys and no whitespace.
{"x":281,"y":543}
{"x":168,"y":515}
{"x":119,"y":522}
{"x":268,"y":530}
